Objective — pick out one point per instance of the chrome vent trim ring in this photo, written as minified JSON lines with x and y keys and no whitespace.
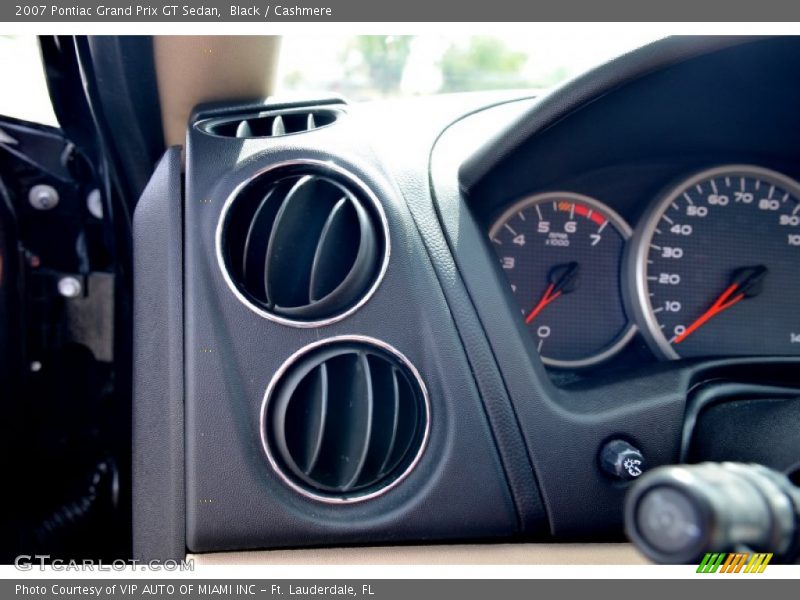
{"x":321,"y":166}
{"x":288,"y":479}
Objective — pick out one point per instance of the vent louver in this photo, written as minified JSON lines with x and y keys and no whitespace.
{"x":345,"y":420}
{"x":272,"y":124}
{"x":304,"y":243}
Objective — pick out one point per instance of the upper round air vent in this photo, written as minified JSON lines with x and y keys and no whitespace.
{"x":345,"y":419}
{"x":304,"y":244}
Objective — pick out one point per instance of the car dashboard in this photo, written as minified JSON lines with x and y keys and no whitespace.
{"x":490,"y":294}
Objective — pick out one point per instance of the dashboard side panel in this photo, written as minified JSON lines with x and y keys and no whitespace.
{"x":407,"y":157}
{"x":234,"y":499}
{"x":159,"y":530}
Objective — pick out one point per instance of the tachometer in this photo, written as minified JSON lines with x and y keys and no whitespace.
{"x":717,"y":265}
{"x":562,"y":253}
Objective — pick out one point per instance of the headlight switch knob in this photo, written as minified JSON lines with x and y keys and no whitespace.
{"x":621,"y":460}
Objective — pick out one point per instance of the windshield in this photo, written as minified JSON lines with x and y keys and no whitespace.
{"x":370,"y":67}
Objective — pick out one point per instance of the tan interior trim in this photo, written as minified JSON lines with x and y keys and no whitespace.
{"x":460,"y":554}
{"x":195,"y":69}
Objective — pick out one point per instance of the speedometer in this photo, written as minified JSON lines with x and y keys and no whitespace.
{"x":716,"y":266}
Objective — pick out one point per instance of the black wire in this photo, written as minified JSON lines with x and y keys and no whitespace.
{"x":5,"y":196}
{"x":108,"y":175}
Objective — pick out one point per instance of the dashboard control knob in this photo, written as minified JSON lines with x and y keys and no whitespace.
{"x":621,"y":460}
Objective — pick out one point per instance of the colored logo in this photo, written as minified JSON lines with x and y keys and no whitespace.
{"x":734,"y":562}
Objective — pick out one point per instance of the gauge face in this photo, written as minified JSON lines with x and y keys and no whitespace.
{"x":562,"y":253}
{"x":717,"y":265}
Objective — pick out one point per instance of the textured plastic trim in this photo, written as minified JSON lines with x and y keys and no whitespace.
{"x":159,"y":522}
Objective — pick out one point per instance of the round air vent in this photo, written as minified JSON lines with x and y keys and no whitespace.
{"x":345,"y":419}
{"x":303,"y":244}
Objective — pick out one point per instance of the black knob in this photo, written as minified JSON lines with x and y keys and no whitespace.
{"x":622,"y":461}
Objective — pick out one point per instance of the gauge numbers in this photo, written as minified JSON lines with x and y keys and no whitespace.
{"x":562,"y":253}
{"x":717,"y":265}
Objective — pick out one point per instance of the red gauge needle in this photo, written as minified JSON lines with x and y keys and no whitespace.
{"x":746,"y":284}
{"x":549,"y":295}
{"x":563,"y":280}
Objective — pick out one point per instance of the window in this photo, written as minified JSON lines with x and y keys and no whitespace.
{"x":373,"y":66}
{"x":23,"y":91}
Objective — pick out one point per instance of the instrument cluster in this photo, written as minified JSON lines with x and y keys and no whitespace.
{"x":710,"y":268}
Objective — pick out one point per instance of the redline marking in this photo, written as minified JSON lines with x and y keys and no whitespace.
{"x":581,"y":210}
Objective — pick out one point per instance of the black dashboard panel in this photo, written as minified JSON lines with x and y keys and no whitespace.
{"x":513,"y":446}
{"x":234,"y":498}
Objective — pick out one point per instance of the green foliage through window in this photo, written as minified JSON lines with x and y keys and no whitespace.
{"x":379,"y":66}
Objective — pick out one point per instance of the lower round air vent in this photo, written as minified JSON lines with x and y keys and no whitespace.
{"x":303,"y":243}
{"x":345,"y":419}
